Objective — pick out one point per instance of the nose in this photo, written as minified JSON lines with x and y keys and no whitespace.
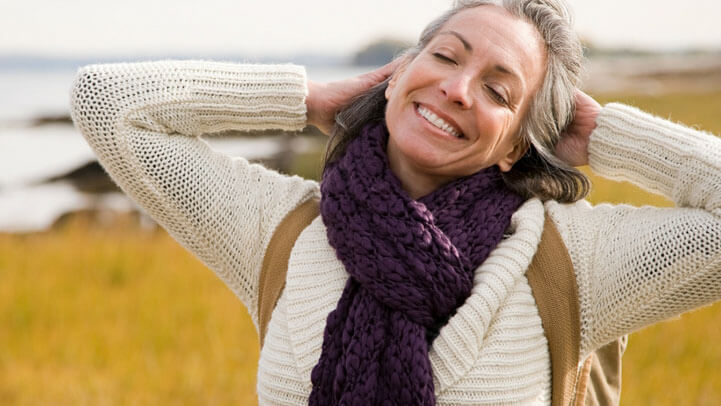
{"x":456,"y":88}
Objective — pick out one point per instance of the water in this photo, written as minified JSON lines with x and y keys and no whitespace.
{"x":30,"y":155}
{"x":33,"y":154}
{"x":28,"y":95}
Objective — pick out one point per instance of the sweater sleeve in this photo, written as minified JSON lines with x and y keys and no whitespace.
{"x":637,"y":266}
{"x":143,"y":121}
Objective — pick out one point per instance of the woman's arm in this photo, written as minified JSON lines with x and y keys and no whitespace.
{"x":638,"y":266}
{"x":142,"y":120}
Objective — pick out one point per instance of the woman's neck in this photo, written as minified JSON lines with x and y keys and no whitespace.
{"x":413,"y":180}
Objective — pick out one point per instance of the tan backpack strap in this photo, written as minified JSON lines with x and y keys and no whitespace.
{"x":553,"y":283}
{"x":604,"y":385}
{"x":275,"y":261}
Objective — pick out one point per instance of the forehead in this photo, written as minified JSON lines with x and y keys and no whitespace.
{"x":494,"y":33}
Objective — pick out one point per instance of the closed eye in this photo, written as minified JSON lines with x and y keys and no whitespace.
{"x":444,"y":58}
{"x":497,"y":96}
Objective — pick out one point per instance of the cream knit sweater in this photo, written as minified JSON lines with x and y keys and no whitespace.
{"x":634,"y":266}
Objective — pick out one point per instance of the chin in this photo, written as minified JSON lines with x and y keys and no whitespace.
{"x":423,"y":159}
{"x":424,"y":156}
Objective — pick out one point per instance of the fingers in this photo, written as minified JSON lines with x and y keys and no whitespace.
{"x":390,"y":67}
{"x":382,"y":73}
{"x":584,"y":100}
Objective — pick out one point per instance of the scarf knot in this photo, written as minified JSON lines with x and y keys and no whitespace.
{"x":411,"y":264}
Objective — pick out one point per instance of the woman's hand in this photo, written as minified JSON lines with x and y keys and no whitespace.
{"x":573,"y":147}
{"x":325,"y":99}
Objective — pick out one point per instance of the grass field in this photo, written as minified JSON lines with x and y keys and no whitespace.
{"x":116,"y":314}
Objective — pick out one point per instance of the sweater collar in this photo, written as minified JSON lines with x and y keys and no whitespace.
{"x":316,"y":279}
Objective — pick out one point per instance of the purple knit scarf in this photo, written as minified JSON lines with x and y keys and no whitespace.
{"x":411,"y":265}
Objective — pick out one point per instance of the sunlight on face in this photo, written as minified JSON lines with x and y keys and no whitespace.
{"x":456,"y":108}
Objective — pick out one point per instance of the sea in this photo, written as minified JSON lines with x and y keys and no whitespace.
{"x":38,"y":145}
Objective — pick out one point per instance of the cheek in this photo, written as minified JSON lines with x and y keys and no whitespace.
{"x":494,"y":126}
{"x":399,"y":114}
{"x":392,"y":104}
{"x":391,"y":115}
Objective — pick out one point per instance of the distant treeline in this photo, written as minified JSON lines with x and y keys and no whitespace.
{"x":380,"y":52}
{"x":376,"y":53}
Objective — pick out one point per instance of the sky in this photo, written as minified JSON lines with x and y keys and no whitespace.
{"x":78,"y":28}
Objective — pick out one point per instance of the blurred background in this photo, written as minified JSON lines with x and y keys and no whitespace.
{"x":98,"y":305}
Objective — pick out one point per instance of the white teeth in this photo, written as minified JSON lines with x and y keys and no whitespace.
{"x":438,"y":122}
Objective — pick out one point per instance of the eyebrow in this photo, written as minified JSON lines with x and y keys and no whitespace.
{"x":466,"y":44}
{"x":500,"y":68}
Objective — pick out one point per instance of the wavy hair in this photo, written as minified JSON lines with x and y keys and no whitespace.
{"x":539,"y":173}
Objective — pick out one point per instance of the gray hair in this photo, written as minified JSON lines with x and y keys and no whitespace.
{"x":539,"y":173}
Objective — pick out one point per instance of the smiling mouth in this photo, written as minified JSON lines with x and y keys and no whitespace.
{"x":438,"y":122}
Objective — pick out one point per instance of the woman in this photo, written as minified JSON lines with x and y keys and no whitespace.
{"x":410,"y":287}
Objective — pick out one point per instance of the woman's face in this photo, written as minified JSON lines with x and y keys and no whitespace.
{"x":456,"y":108}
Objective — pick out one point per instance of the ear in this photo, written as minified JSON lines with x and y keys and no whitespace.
{"x":391,"y":85}
{"x":395,"y":75}
{"x":519,"y":149}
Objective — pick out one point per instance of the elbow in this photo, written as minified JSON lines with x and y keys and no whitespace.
{"x":82,"y":92}
{"x":103,"y":97}
{"x":86,"y":99}
{"x":94,"y":101}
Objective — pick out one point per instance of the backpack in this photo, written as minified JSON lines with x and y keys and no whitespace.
{"x":597,"y":381}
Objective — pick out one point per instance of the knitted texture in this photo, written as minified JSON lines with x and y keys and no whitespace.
{"x":141,"y":120}
{"x":634,"y":266}
{"x":648,"y":264}
{"x":411,"y":265}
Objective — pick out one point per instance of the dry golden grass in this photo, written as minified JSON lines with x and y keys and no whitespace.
{"x":119,"y":315}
